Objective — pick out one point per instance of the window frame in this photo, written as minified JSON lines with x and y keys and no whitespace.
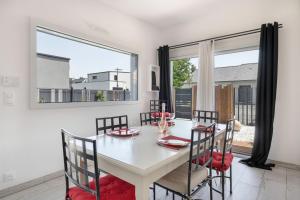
{"x":34,"y":104}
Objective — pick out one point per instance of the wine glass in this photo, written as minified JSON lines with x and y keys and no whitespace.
{"x":194,"y":122}
{"x":162,"y":125}
{"x":172,"y":116}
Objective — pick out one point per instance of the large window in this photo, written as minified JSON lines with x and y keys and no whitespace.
{"x":70,"y":69}
{"x":235,"y":75}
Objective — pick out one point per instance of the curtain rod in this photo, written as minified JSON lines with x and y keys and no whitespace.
{"x":223,"y":37}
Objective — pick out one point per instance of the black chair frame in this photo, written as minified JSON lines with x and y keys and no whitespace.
{"x":156,"y":105}
{"x":227,"y":148}
{"x":74,"y":171}
{"x":206,"y":116}
{"x":146,"y":118}
{"x":109,"y":123}
{"x":204,"y":146}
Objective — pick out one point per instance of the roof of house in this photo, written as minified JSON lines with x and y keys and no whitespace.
{"x":78,"y":80}
{"x":244,"y":72}
{"x":107,"y":72}
{"x":48,"y":56}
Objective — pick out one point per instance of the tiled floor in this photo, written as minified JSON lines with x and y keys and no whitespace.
{"x":248,"y":184}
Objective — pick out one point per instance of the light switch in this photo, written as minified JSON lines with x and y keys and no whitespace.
{"x":9,"y":98}
{"x":10,"y":81}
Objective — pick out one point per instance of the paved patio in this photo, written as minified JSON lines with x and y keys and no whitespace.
{"x":243,"y":140}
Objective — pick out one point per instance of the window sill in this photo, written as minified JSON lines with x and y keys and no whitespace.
{"x":80,"y":104}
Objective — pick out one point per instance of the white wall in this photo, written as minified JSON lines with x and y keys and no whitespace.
{"x":103,"y":85}
{"x":233,"y":16}
{"x":30,"y":143}
{"x":104,"y":76}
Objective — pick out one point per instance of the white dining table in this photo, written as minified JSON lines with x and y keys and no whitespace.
{"x":139,"y":160}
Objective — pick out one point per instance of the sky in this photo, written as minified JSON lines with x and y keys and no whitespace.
{"x":232,"y":59}
{"x":84,"y":58}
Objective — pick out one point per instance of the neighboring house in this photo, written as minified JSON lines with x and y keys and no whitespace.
{"x":54,"y":82}
{"x":242,"y":77}
{"x":52,"y":72}
{"x":108,"y":80}
{"x":78,"y":80}
{"x":52,"y":77}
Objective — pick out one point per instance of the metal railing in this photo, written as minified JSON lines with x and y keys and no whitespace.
{"x":244,"y":106}
{"x":82,"y":95}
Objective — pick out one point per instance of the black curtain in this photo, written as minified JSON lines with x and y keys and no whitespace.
{"x":165,"y":83}
{"x":265,"y":97}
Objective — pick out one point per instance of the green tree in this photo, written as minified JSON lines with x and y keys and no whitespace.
{"x":182,"y":72}
{"x":100,"y":96}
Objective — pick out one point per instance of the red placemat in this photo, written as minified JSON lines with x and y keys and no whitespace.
{"x":170,"y":123}
{"x":124,"y":132}
{"x":204,"y":128}
{"x":171,"y":137}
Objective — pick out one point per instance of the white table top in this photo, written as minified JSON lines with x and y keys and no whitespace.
{"x":141,"y":154}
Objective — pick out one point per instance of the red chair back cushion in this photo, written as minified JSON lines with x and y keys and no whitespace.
{"x":217,"y":161}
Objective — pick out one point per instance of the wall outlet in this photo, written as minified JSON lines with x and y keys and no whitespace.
{"x":9,"y":97}
{"x":8,"y":177}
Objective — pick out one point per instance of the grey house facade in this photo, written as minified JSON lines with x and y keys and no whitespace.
{"x":241,"y":77}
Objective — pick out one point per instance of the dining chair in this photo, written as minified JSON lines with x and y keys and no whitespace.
{"x":147,"y":118}
{"x":88,"y":185}
{"x":156,"y":105}
{"x":190,"y":177}
{"x":206,"y":116}
{"x":222,"y":161}
{"x":111,"y":123}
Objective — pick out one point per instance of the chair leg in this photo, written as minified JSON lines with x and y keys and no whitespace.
{"x":230,"y":179}
{"x":154,"y":191}
{"x":210,"y":190}
{"x":173,"y":196}
{"x":223,"y":185}
{"x":210,"y":184}
{"x":167,"y":192}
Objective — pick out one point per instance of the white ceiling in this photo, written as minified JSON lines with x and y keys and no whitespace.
{"x":161,"y":13}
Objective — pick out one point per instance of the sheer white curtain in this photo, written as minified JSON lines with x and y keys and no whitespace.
{"x":205,"y":82}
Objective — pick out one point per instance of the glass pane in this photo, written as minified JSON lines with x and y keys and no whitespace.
{"x":236,"y":73}
{"x":70,"y":69}
{"x":236,"y":58}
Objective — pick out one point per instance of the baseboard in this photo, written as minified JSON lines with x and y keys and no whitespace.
{"x":286,"y":165}
{"x":28,"y":184}
{"x":279,"y":163}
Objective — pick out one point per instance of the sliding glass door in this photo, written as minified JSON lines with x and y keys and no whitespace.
{"x":184,"y":82}
{"x":235,"y":77}
{"x":235,"y":80}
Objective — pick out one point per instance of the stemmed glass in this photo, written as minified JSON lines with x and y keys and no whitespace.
{"x":162,"y":124}
{"x":172,"y":116}
{"x":194,"y":122}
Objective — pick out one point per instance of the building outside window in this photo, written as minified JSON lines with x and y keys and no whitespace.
{"x":83,"y":70}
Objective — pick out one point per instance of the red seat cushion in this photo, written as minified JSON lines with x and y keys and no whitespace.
{"x":159,"y":114}
{"x":217,"y":161}
{"x":111,"y":188}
